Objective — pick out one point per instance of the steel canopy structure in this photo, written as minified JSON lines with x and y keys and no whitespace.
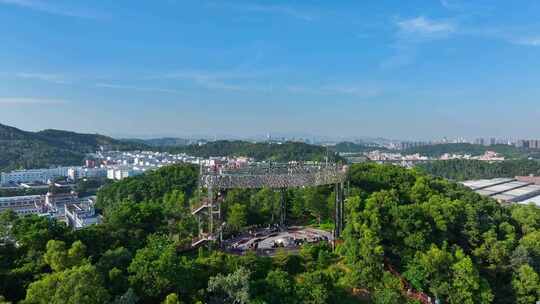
{"x":276,"y":176}
{"x":265,"y":175}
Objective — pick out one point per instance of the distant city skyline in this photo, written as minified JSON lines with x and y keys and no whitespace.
{"x":418,"y":70}
{"x":318,"y":139}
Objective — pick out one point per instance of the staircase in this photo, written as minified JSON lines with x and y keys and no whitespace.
{"x":202,"y":239}
{"x":200,"y":207}
{"x":205,"y":203}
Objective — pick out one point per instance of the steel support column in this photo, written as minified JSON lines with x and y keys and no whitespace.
{"x":210,"y":210}
{"x":282,"y":208}
{"x":339,"y":206}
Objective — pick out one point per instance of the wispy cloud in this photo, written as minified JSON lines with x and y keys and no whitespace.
{"x":52,"y":9}
{"x":451,"y":4}
{"x":260,"y":82}
{"x":266,"y":8}
{"x":468,"y":8}
{"x":413,"y":32}
{"x":529,"y":41}
{"x":136,"y":88}
{"x":30,"y":101}
{"x":54,"y":78}
{"x":425,"y":27}
{"x":518,"y":35}
{"x":218,"y":80}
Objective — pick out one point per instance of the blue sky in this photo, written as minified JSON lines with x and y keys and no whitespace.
{"x":398,"y":69}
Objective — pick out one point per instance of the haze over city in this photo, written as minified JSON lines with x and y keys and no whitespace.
{"x":420,"y":69}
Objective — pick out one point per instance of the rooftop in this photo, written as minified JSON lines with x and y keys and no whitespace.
{"x":506,"y":190}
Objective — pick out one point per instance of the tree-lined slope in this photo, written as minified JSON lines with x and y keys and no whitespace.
{"x":287,"y":151}
{"x":445,"y":241}
{"x":22,"y":149}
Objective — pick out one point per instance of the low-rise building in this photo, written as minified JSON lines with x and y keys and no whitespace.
{"x":64,"y":207}
{"x":529,"y":179}
{"x":33,"y":175}
{"x":81,"y":214}
{"x":506,"y":190}
{"x":75,"y":173}
{"x":23,"y":205}
{"x":119,"y":173}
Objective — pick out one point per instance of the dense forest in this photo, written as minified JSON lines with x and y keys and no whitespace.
{"x":462,"y":169}
{"x":22,"y":149}
{"x":445,"y":240}
{"x":349,"y":147}
{"x":260,"y":151}
{"x":471,"y":149}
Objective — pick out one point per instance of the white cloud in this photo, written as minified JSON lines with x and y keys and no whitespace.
{"x":411,"y":33}
{"x":136,"y":88}
{"x":30,"y":101}
{"x":529,"y":41}
{"x":45,"y":7}
{"x":43,"y":77}
{"x":450,"y":4}
{"x":423,"y":26}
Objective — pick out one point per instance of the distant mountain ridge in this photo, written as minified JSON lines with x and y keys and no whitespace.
{"x":24,"y":149}
{"x":350,"y":147}
{"x":162,"y":141}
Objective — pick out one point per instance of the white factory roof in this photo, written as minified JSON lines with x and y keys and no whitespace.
{"x":485,"y":192}
{"x":483,"y":183}
{"x":527,"y":190}
{"x":507,"y":190}
{"x":506,"y":186}
{"x":535,"y":200}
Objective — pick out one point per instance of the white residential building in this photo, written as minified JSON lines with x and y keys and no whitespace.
{"x":119,"y":173}
{"x":81,"y":214}
{"x":33,"y":175}
{"x":75,"y":173}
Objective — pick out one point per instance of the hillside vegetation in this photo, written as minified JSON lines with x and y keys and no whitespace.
{"x":22,"y":149}
{"x":349,"y":147}
{"x":445,"y":240}
{"x":260,"y":151}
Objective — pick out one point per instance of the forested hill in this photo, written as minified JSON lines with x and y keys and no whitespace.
{"x":23,"y":149}
{"x":349,"y":147}
{"x":445,"y":240}
{"x":471,"y":149}
{"x":462,"y":169}
{"x":260,"y":151}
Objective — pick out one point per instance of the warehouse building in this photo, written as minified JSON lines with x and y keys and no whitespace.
{"x":507,"y":190}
